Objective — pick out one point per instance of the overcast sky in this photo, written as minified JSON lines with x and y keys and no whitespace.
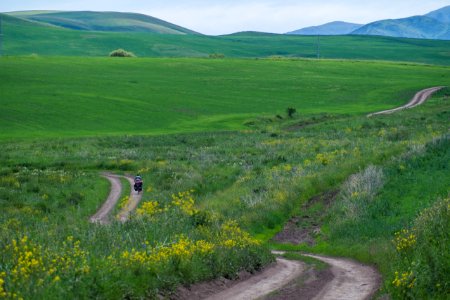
{"x":227,"y":16}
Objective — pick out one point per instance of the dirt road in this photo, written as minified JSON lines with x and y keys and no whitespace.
{"x":418,"y":99}
{"x":351,"y":280}
{"x":133,"y":201}
{"x":271,"y":279}
{"x":102,"y":215}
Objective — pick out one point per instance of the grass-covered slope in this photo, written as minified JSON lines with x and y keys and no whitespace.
{"x":90,"y":96}
{"x":104,"y":21}
{"x":403,"y":226}
{"x":259,"y":177}
{"x":22,"y":37}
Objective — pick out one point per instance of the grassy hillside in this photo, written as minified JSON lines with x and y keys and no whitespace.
{"x":259,"y":177}
{"x":25,"y":38}
{"x":90,"y":96}
{"x":103,"y":21}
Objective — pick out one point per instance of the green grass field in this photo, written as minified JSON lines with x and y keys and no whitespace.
{"x":22,"y":37}
{"x":259,"y":176}
{"x":224,"y":166}
{"x":102,"y":96}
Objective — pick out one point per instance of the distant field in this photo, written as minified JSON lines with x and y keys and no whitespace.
{"x":23,"y":37}
{"x":98,"y":96}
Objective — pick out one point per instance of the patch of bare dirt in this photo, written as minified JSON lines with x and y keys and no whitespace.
{"x":303,"y":229}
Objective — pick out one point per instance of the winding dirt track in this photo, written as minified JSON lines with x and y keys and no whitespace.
{"x":418,"y":99}
{"x":133,"y":202}
{"x":103,"y":214}
{"x":271,"y":279}
{"x":351,"y":280}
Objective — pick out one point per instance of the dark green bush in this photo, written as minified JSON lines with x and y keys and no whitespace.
{"x":121,"y":53}
{"x":290,"y":111}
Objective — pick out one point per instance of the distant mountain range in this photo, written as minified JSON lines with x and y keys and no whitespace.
{"x":434,"y":25}
{"x":102,"y":21}
{"x":332,"y":28}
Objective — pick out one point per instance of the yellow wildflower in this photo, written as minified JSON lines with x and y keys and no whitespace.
{"x":149,"y":208}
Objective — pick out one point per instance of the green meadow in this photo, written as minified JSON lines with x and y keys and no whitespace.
{"x":224,"y":165}
{"x":60,"y":96}
{"x":198,"y":183}
{"x":22,"y":37}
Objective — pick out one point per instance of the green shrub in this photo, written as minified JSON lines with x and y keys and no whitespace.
{"x":121,"y":53}
{"x":290,"y":111}
{"x":422,"y":263}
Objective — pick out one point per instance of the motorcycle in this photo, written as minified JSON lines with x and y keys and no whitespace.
{"x":138,"y":185}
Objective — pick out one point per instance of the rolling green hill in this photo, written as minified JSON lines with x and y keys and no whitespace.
{"x":22,"y":37}
{"x":91,"y":96}
{"x":103,"y":21}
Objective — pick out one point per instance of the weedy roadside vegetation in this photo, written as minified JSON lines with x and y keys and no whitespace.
{"x":215,"y":199}
{"x":359,"y":190}
{"x":403,"y":229}
{"x":422,"y":258}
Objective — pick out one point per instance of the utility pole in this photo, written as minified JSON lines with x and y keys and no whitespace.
{"x":318,"y":46}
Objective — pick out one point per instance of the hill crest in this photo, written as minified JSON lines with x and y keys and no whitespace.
{"x":103,"y":21}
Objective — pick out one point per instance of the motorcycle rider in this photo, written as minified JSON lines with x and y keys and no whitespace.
{"x":138,"y":183}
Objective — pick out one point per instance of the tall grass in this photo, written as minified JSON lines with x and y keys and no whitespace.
{"x":359,"y":191}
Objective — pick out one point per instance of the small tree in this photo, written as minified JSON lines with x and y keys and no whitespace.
{"x":291,"y":111}
{"x":121,"y":53}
